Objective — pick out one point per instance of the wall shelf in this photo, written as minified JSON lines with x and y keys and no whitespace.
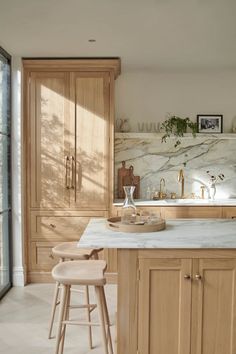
{"x":133,"y":135}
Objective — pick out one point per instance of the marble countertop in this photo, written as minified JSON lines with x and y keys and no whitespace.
{"x":181,"y":202}
{"x":179,"y":233}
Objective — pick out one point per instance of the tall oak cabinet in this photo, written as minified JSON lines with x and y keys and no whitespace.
{"x":68,"y":153}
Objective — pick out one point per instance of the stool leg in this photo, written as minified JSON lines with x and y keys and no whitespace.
{"x":88,"y":317}
{"x":61,"y":314}
{"x":101,"y":316}
{"x":107,"y":320}
{"x":54,"y":305}
{"x":65,"y":317}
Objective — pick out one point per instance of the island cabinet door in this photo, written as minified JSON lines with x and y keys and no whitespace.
{"x":214,"y":306}
{"x":164,"y":306}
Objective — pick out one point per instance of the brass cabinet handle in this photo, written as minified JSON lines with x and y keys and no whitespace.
{"x":78,"y":176}
{"x":187,"y":276}
{"x":67,"y":174}
{"x":198,"y":277}
{"x":72,"y":186}
{"x":53,"y":226}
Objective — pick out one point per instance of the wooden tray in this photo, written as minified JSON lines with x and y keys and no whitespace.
{"x":115,"y":224}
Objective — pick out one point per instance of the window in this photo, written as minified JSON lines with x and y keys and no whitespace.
{"x":5,"y":180}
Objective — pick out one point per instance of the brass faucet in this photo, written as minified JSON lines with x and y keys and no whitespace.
{"x":181,"y":179}
{"x":162,"y":195}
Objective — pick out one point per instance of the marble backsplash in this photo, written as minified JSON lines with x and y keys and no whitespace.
{"x":153,"y":160}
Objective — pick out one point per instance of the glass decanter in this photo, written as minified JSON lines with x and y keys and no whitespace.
{"x":128,"y":212}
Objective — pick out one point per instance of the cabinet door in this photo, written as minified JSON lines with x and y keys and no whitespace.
{"x":214,"y":310}
{"x":90,"y":91}
{"x":49,"y":139}
{"x":164,"y":306}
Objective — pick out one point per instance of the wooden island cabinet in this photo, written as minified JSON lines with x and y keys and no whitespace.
{"x":176,"y":287}
{"x":177,"y":301}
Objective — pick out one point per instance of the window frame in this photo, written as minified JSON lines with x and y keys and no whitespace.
{"x":7,"y":56}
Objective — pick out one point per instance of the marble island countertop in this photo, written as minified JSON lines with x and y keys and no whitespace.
{"x":181,"y":202}
{"x":179,"y":233}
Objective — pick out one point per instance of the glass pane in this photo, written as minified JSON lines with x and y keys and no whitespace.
{"x":4,"y":94}
{"x":4,"y":172}
{"x":4,"y":251}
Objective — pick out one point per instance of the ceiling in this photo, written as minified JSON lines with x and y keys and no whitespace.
{"x":146,"y":34}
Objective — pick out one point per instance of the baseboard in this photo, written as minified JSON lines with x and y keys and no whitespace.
{"x":18,"y":277}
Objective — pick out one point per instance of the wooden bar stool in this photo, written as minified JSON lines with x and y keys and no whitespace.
{"x":70,"y":251}
{"x":88,"y":273}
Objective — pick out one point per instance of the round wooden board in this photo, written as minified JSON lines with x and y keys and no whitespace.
{"x":115,"y":224}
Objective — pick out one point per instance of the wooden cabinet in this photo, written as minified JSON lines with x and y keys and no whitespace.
{"x":214,"y":307}
{"x":164,"y":306}
{"x":68,"y":141}
{"x":176,"y":301}
{"x":186,"y":305}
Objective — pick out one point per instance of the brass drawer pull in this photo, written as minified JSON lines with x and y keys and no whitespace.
{"x":53,"y":226}
{"x":187,"y":276}
{"x":198,"y":277}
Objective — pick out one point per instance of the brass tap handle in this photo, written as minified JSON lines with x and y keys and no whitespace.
{"x":203,"y":192}
{"x":187,"y":276}
{"x":198,"y":277}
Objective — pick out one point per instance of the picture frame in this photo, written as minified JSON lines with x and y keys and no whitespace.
{"x":210,"y":123}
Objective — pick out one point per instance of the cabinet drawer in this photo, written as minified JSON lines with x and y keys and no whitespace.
{"x":191,"y":212}
{"x":58,"y":227}
{"x":41,"y":258}
{"x":229,"y":212}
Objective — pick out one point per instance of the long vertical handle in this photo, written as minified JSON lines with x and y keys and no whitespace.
{"x":67,"y":173}
{"x":72,"y":186}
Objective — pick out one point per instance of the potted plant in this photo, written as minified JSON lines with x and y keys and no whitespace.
{"x":177,"y":126}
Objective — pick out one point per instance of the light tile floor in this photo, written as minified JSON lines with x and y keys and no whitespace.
{"x":24,"y":317}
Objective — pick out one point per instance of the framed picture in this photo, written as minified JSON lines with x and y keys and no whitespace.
{"x":210,"y":123}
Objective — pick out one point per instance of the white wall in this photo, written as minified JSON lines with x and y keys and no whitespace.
{"x":149,"y":96}
{"x":142,"y":96}
{"x":17,"y":232}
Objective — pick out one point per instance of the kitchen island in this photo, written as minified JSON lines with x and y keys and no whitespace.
{"x":176,"y":288}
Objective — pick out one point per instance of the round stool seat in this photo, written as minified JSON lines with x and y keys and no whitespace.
{"x":70,"y":250}
{"x":89,"y":272}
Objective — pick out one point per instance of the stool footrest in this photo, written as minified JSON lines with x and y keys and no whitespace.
{"x":79,"y":323}
{"x":77,"y":291}
{"x":91,"y":307}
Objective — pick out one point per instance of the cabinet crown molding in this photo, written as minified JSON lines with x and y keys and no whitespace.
{"x":83,"y":64}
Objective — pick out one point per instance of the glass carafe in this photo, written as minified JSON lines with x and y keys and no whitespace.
{"x":128,"y":213}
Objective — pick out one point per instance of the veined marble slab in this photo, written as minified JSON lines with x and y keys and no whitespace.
{"x":153,"y":160}
{"x":179,"y":233}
